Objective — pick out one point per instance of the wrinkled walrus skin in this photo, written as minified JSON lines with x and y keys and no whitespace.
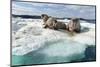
{"x":74,"y":25}
{"x":60,"y":25}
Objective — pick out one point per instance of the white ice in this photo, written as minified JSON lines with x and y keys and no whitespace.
{"x":33,"y":36}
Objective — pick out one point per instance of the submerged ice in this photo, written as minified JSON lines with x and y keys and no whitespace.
{"x":52,"y":43}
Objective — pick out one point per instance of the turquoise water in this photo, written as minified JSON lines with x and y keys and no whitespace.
{"x":55,"y":53}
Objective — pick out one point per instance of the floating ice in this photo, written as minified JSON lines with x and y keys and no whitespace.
{"x":32,"y":37}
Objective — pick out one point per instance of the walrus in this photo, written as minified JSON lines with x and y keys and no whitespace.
{"x":52,"y":23}
{"x":74,"y":25}
{"x":49,"y":21}
{"x":60,"y":25}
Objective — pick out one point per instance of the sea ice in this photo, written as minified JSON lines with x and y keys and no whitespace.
{"x":61,"y":43}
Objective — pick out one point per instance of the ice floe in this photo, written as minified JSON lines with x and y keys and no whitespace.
{"x":32,"y":37}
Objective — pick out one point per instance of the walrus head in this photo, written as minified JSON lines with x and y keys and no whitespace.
{"x":44,"y":17}
{"x":75,"y":19}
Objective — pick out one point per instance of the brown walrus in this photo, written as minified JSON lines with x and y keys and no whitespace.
{"x":49,"y":21}
{"x":52,"y":23}
{"x":60,"y":25}
{"x":74,"y":25}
